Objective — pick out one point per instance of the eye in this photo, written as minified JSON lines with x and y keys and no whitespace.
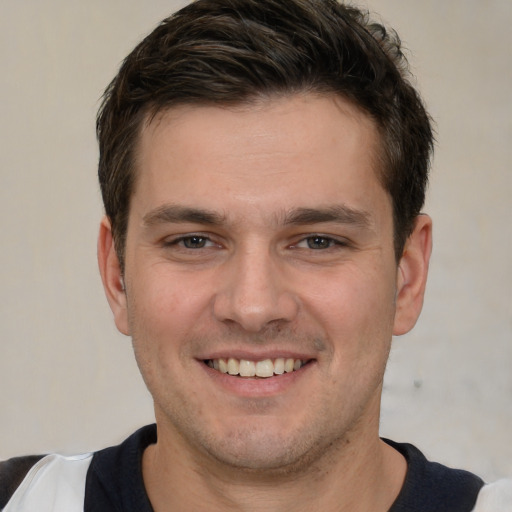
{"x":318,"y":242}
{"x":194,"y":241}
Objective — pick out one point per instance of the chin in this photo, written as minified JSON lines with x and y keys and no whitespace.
{"x":256,"y":460}
{"x":268,"y":450}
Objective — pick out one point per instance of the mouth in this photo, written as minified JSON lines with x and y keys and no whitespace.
{"x":262,"y":369}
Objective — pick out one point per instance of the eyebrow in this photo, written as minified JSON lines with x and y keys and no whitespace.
{"x":339,"y":214}
{"x":175,"y":214}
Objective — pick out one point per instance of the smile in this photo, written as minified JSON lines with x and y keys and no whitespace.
{"x":264,"y":369}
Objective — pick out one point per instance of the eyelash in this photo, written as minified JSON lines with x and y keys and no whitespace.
{"x":205,"y":240}
{"x":331,"y":242}
{"x":181,"y":241}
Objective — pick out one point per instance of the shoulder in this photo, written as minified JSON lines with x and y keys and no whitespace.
{"x":105,"y":480}
{"x":432,"y":486}
{"x":41,"y":483}
{"x":115,"y":480}
{"x":495,"y":497}
{"x":12,"y":473}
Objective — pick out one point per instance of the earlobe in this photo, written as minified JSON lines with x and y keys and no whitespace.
{"x":112,"y":277}
{"x":412,"y":276}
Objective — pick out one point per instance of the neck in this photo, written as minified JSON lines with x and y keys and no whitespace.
{"x":359,"y":474}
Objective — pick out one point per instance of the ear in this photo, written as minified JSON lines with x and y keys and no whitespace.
{"x":412,"y":275}
{"x":112,"y":277}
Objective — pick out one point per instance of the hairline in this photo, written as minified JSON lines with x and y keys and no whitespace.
{"x":152,"y":113}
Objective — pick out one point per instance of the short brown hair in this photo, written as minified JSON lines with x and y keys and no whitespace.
{"x":232,"y":51}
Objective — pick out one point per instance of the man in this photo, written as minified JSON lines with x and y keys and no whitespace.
{"x":263,"y":167}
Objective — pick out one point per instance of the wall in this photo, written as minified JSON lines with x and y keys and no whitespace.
{"x":68,"y":379}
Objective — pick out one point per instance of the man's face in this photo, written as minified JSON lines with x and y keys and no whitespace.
{"x":257,"y":236}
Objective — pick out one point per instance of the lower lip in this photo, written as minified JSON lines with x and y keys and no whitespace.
{"x":253,"y":386}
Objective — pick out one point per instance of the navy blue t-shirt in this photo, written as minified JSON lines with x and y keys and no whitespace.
{"x":114,"y":481}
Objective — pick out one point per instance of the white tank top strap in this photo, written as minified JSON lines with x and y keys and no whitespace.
{"x":55,"y":484}
{"x":495,"y":497}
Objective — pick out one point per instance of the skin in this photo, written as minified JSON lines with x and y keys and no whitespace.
{"x":258,"y":232}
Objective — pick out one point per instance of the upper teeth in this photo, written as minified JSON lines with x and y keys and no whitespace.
{"x":246,"y":368}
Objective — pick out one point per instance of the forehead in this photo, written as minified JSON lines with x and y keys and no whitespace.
{"x":292,"y":149}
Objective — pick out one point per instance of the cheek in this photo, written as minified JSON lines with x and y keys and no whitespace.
{"x":166,"y":311}
{"x":159,"y":322}
{"x":356,"y":304}
{"x":166,"y":305}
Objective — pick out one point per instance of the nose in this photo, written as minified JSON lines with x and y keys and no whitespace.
{"x":256,"y":291}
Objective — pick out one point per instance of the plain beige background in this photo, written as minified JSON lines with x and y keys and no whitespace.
{"x":67,"y":378}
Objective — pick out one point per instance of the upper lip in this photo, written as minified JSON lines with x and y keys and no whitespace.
{"x":255,"y":355}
